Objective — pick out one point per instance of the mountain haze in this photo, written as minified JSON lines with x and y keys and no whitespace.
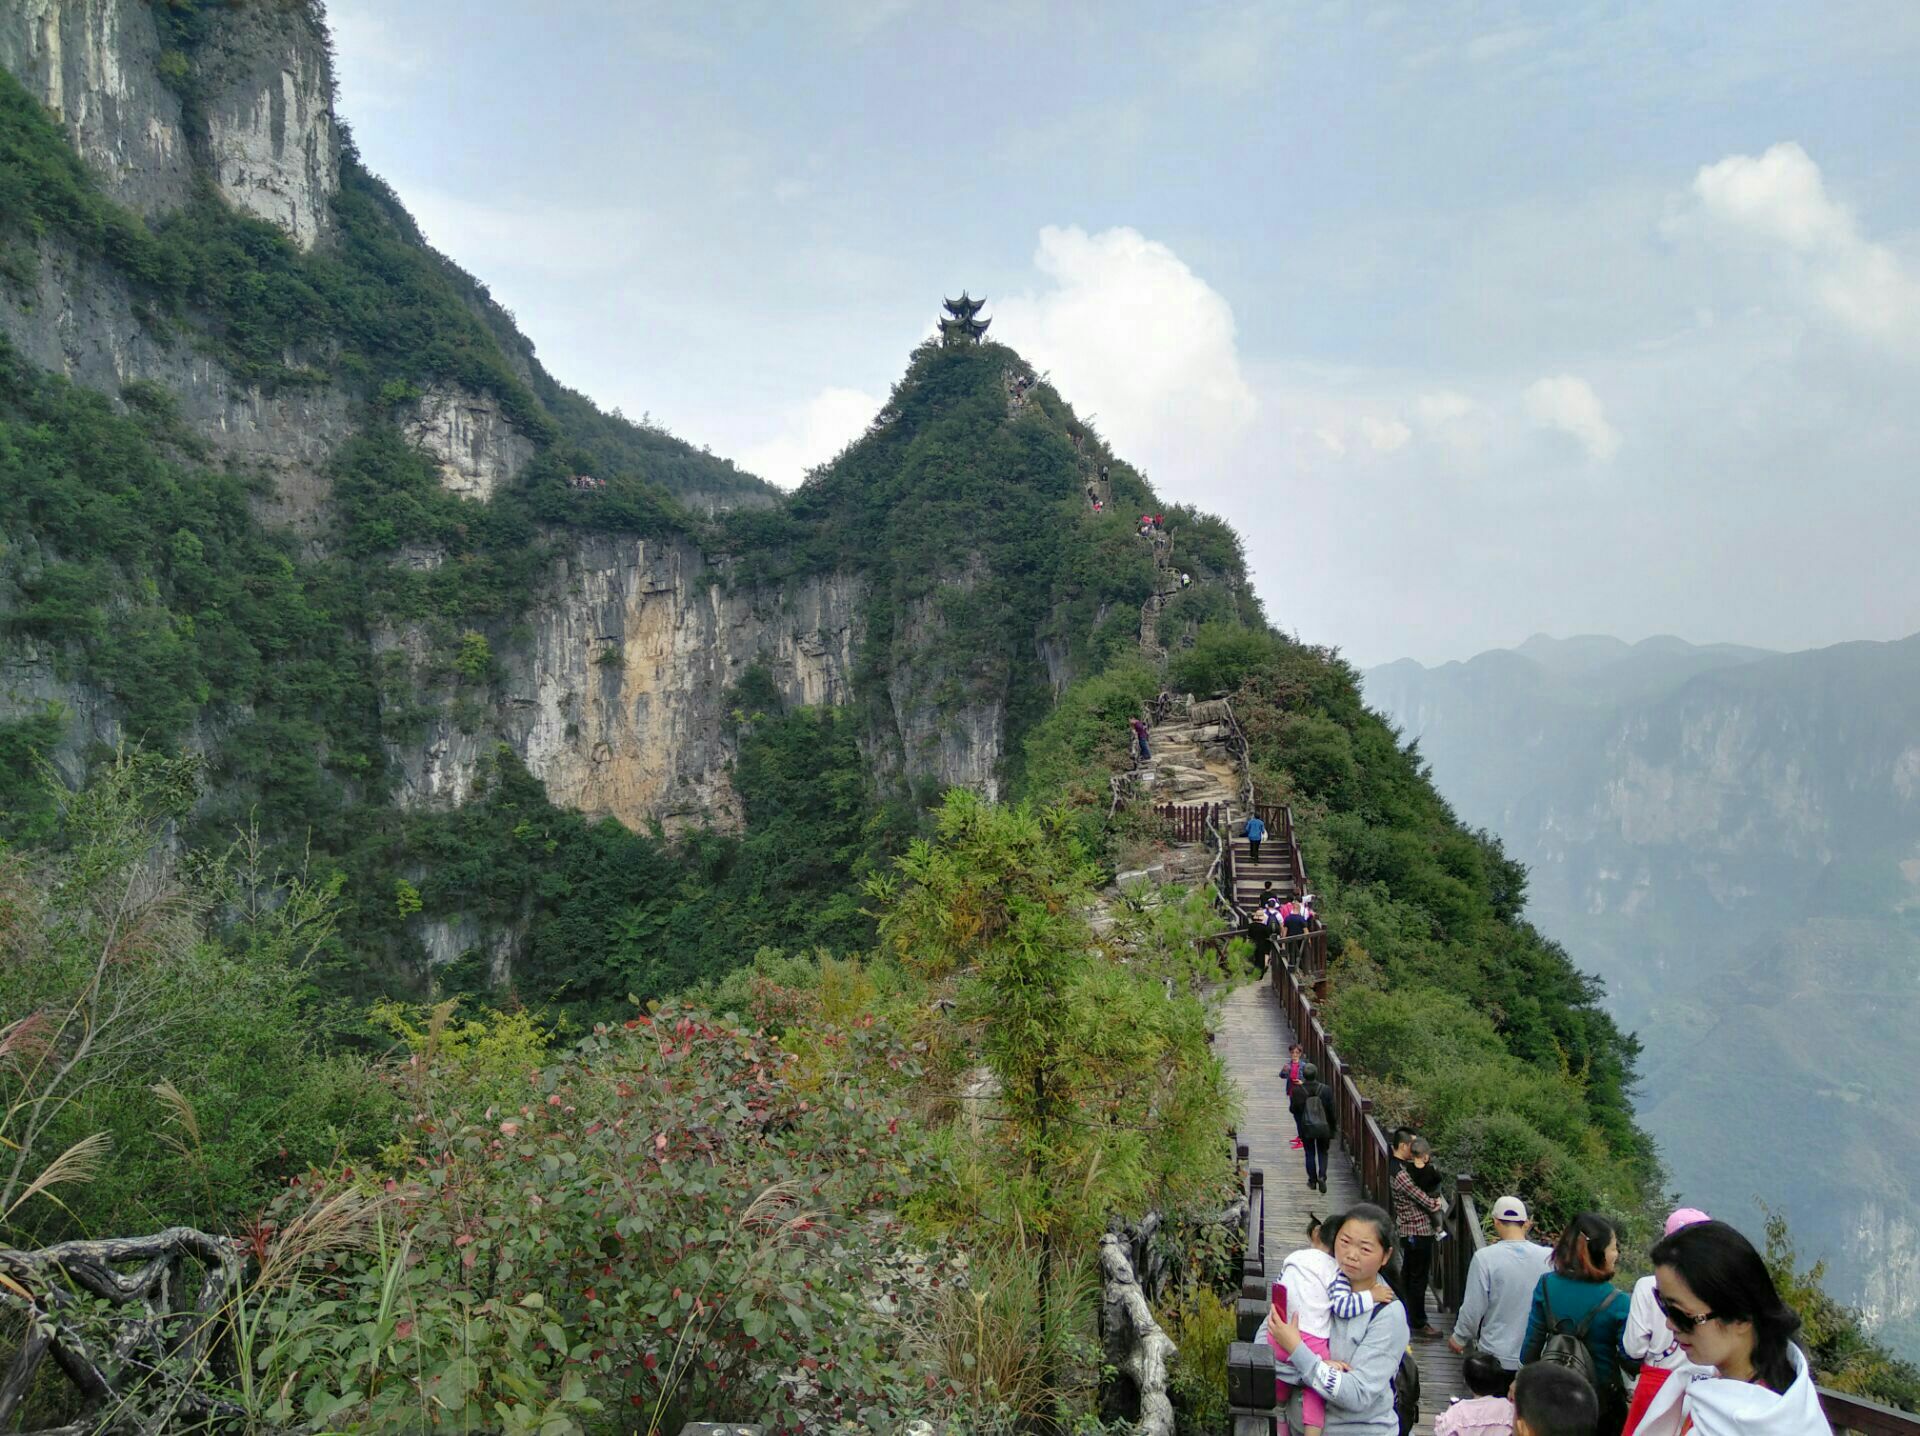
{"x":1731,"y":839}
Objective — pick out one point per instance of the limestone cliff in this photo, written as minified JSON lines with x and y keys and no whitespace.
{"x":262,"y":86}
{"x":617,"y":703}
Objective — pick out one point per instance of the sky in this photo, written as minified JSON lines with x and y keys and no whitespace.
{"x":1476,"y":319}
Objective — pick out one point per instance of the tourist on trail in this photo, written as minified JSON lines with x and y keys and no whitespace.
{"x":1260,"y":930}
{"x":1256,"y":832}
{"x":1317,"y":1291}
{"x":1312,"y":1104}
{"x":1745,"y":1375}
{"x":1649,"y":1339}
{"x":1354,"y":1377}
{"x":1578,"y":1314}
{"x":1550,"y":1400}
{"x":1185,"y":578}
{"x":1417,"y":1212}
{"x":1140,"y":738}
{"x":1489,"y":1412}
{"x":1293,"y":1074}
{"x":1293,"y":917}
{"x":1500,"y":1283}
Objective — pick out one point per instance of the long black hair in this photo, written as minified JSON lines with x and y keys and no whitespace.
{"x":1733,"y":1282}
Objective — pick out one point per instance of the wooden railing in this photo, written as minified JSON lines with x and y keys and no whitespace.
{"x":1453,"y":1256}
{"x":1189,"y":822}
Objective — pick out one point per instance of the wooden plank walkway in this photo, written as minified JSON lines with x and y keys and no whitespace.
{"x":1253,"y":1037}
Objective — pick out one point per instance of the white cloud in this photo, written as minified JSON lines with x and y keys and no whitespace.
{"x":1568,"y":403}
{"x":1384,"y":435}
{"x":1780,"y":199}
{"x":1138,"y":340}
{"x":1442,"y":407}
{"x":815,"y":431}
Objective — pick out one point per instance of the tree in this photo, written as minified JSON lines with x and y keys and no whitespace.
{"x":1106,"y":1098}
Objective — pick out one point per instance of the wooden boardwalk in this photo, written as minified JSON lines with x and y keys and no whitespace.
{"x":1253,"y":1037}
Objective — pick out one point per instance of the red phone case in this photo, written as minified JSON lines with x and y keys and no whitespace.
{"x":1280,"y":1299}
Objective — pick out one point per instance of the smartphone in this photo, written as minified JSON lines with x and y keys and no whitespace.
{"x":1280,"y":1299}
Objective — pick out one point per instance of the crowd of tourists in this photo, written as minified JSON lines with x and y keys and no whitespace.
{"x":585,"y":483}
{"x":1702,"y":1346}
{"x":1274,"y":919}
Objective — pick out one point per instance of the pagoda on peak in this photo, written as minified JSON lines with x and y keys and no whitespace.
{"x":958,"y":325}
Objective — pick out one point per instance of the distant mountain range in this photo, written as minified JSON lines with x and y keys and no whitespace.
{"x":1731,"y":839}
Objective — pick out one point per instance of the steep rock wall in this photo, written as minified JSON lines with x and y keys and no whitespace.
{"x":617,"y":701}
{"x":266,"y":131}
{"x":80,"y":319}
{"x":95,"y":64}
{"x":271,"y":141}
{"x":470,"y":437}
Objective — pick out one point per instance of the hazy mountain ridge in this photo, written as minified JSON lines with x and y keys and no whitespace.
{"x":1732,"y":840}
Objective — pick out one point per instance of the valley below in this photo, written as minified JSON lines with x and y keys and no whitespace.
{"x":1730,"y":840}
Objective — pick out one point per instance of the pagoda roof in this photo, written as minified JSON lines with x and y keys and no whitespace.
{"x":965,"y":307}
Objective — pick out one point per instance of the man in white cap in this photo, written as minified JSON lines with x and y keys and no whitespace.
{"x":1500,"y":1283}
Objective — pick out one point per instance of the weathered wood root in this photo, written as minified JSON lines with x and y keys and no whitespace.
{"x":1135,"y":1343}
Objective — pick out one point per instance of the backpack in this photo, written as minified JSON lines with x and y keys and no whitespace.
{"x":1313,"y":1117}
{"x":1566,"y":1343}
{"x":1406,"y":1392}
{"x":1405,"y":1386}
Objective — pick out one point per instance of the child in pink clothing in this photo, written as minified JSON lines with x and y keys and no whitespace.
{"x":1490,"y":1412}
{"x":1317,"y":1291}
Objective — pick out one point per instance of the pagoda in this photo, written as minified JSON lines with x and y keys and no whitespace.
{"x":958,"y":325}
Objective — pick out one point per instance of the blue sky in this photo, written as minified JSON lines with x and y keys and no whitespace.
{"x":1477,"y":319}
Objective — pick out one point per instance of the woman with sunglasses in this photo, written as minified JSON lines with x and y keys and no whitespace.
{"x":1648,"y":1337}
{"x":1745,"y":1376}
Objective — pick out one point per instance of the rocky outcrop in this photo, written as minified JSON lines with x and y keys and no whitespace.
{"x":265,"y":86}
{"x":471,"y":439}
{"x":266,"y":89}
{"x":617,"y":701}
{"x":617,"y":697}
{"x":448,"y":939}
{"x":1133,"y":1343}
{"x":96,"y":65}
{"x":79,"y":318}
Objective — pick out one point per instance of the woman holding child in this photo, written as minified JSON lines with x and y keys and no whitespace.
{"x":1354,"y":1378}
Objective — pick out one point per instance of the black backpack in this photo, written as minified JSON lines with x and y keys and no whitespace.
{"x":1405,"y":1386}
{"x":1566,"y":1343}
{"x":1313,"y":1116}
{"x":1406,"y":1392}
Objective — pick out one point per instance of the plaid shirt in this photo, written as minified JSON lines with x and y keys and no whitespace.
{"x":1414,"y":1212}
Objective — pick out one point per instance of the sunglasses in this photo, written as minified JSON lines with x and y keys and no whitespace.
{"x":1681,"y":1320}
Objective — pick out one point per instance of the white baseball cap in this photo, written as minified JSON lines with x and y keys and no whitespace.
{"x":1510,"y":1209}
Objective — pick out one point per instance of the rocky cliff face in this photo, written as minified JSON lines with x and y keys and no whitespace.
{"x":96,"y":64}
{"x":617,"y":703}
{"x":618,"y":700}
{"x":470,"y":438}
{"x":267,"y":136}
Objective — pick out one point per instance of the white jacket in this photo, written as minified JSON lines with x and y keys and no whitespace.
{"x":1719,"y":1407}
{"x":1648,"y":1338}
